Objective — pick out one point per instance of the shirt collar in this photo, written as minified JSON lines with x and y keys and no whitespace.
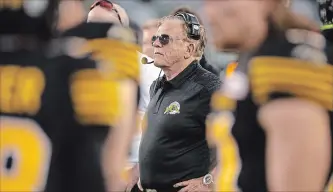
{"x":182,"y":76}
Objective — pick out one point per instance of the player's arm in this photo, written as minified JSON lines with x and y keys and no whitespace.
{"x":298,"y":144}
{"x":294,"y":98}
{"x":123,"y":58}
{"x":117,"y":77}
{"x":117,"y":145}
{"x":103,"y":102}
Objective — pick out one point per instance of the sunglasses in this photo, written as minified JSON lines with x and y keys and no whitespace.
{"x":164,"y":39}
{"x":106,"y":5}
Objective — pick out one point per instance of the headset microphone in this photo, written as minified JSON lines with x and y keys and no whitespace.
{"x":144,"y":60}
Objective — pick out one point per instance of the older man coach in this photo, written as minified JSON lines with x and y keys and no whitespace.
{"x":174,"y":155}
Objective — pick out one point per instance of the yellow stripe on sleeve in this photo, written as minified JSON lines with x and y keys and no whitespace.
{"x":292,"y":76}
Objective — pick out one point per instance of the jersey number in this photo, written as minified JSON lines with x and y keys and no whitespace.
{"x":25,"y":152}
{"x":21,"y":89}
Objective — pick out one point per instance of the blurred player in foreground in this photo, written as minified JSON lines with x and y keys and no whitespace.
{"x":105,"y":11}
{"x":66,"y":104}
{"x":326,"y":16}
{"x":113,"y":47}
{"x":25,"y":134}
{"x":271,"y":120}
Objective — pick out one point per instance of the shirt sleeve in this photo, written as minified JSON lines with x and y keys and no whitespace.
{"x":279,"y":77}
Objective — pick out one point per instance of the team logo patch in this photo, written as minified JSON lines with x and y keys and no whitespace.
{"x":172,"y":109}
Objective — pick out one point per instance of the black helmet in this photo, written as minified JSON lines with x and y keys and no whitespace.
{"x":31,"y":17}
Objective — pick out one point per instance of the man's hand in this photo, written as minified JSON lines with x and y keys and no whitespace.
{"x":193,"y":185}
{"x":134,"y":177}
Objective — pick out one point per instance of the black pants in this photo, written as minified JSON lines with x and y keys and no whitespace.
{"x":136,"y":189}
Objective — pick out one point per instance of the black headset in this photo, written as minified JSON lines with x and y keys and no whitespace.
{"x":192,"y":23}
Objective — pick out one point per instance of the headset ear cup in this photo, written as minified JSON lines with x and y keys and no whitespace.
{"x":192,"y":23}
{"x":195,"y":32}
